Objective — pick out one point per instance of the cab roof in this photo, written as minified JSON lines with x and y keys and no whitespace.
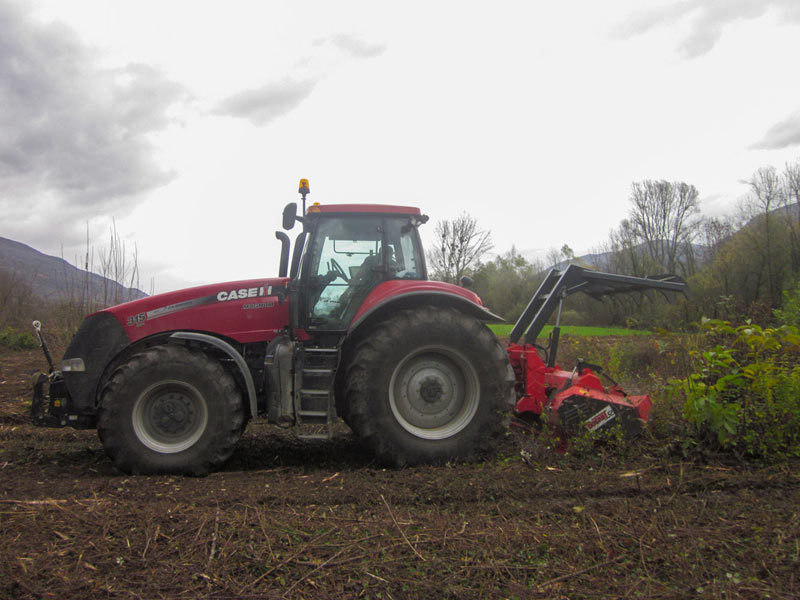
{"x":362,"y":209}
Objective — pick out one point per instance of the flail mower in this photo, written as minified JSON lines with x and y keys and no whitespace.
{"x":576,"y":400}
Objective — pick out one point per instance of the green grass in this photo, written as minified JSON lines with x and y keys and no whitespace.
{"x":503,"y":329}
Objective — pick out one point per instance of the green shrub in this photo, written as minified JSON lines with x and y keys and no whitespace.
{"x":789,"y":312}
{"x":743,"y":393}
{"x":9,"y":338}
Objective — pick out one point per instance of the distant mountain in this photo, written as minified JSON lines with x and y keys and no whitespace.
{"x":52,"y":278}
{"x":540,"y":256}
{"x":598,"y":260}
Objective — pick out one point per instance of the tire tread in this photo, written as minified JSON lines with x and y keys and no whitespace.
{"x":111,"y":413}
{"x":382,"y":340}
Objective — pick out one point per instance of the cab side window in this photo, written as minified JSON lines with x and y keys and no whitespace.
{"x":403,"y":259}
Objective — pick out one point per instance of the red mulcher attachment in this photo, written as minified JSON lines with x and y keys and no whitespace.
{"x":577,"y":400}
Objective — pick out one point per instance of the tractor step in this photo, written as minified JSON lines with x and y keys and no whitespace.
{"x":318,"y":371}
{"x":313,"y":392}
{"x":314,"y":406}
{"x":313,"y":414}
{"x":313,"y":436}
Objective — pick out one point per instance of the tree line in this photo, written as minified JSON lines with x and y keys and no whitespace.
{"x":742,"y":265}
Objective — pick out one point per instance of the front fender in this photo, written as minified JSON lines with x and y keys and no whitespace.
{"x":233,"y":354}
{"x":99,"y":339}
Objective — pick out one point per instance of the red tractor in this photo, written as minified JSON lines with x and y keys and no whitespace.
{"x":351,"y":327}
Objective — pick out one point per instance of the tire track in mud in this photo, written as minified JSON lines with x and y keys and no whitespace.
{"x":273,"y":470}
{"x":440,"y":487}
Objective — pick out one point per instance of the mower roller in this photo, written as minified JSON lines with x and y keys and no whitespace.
{"x":351,"y":327}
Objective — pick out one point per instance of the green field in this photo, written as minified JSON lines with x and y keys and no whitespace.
{"x":503,"y":329}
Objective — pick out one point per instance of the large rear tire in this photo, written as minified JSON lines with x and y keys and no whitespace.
{"x":170,"y":410}
{"x":427,"y":386}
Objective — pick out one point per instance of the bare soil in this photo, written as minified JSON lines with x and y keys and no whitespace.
{"x":320,"y":520}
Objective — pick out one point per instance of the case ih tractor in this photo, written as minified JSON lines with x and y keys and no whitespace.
{"x":350,"y":328}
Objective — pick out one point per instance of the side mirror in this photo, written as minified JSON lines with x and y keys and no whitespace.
{"x":289,"y":215}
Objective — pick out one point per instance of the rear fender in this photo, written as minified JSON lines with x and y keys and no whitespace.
{"x":378,"y":311}
{"x":379,"y":306}
{"x":414,"y":298}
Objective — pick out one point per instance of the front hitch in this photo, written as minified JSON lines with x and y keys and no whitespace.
{"x":37,"y":326}
{"x":47,"y":411}
{"x":51,"y":405}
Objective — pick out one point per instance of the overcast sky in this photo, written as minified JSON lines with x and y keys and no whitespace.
{"x":190,"y":123}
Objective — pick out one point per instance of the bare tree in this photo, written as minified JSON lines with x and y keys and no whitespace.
{"x":626,"y":256}
{"x":791,"y":198}
{"x":15,"y":297}
{"x":766,"y":194}
{"x":459,"y":245}
{"x":565,"y":255}
{"x":118,"y":281}
{"x":119,"y":271}
{"x":663,"y":220}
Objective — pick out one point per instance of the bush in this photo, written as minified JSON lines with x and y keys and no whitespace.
{"x":630,"y":358}
{"x":9,"y":338}
{"x":743,"y":394}
{"x":789,"y":312}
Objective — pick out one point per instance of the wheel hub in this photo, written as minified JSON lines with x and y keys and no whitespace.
{"x":172,"y":413}
{"x":170,"y":416}
{"x":434,"y":392}
{"x":431,"y":389}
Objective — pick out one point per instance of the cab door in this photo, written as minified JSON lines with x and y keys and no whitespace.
{"x":344,"y":262}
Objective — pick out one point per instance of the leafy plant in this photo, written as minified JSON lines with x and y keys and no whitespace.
{"x":16,"y":341}
{"x":743,"y":394}
{"x":789,"y":312}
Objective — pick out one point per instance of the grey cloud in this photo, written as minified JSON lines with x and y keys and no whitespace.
{"x":73,"y":136}
{"x":265,"y":104}
{"x":707,"y":19}
{"x":644,"y":20}
{"x":781,"y":135}
{"x":352,"y":45}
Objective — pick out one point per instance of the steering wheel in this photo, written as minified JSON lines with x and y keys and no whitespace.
{"x":337,"y":268}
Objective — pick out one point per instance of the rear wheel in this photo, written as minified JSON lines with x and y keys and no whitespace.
{"x":427,"y":386}
{"x":170,"y":410}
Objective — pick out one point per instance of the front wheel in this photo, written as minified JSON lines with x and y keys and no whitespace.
{"x":427,"y":386}
{"x":170,"y":410}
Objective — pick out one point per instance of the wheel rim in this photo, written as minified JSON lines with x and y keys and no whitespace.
{"x":170,"y":416}
{"x":434,"y":392}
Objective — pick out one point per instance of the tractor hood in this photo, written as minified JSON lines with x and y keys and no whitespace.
{"x":249,"y":310}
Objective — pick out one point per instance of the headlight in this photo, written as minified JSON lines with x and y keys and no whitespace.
{"x":73,"y":365}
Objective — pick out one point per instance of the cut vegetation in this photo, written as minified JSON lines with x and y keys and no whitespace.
{"x":320,"y":519}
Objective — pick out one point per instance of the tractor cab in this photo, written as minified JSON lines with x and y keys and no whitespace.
{"x":343,"y":253}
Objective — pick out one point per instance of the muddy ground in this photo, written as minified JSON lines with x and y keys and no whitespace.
{"x":321,"y":520}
